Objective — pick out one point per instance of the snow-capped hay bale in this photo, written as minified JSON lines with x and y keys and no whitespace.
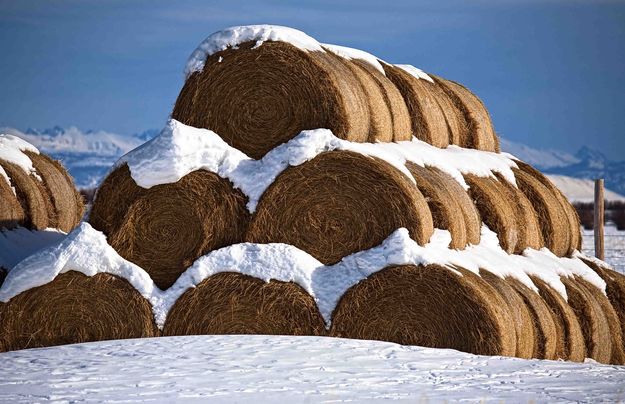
{"x":429,"y":306}
{"x":530,"y":234}
{"x":551,"y":215}
{"x":592,"y":320}
{"x":526,"y":334}
{"x":257,"y":97}
{"x":67,"y":203}
{"x":615,"y":290}
{"x":570,"y":344}
{"x":575,"y":236}
{"x":401,"y":122}
{"x":381,"y":121}
{"x":232,"y":303}
{"x":614,"y":325}
{"x":11,"y":212}
{"x":451,"y":207}
{"x":165,"y":228}
{"x":32,"y":196}
{"x":339,"y":203}
{"x":545,"y":331}
{"x":428,"y":119}
{"x":480,"y":133}
{"x":75,"y":308}
{"x":497,"y":211}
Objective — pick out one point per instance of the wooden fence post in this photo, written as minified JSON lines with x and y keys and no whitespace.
{"x":599,"y":218}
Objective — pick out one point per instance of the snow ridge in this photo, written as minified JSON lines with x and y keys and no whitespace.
{"x":415,"y":72}
{"x":86,"y":250}
{"x":234,"y":36}
{"x":181,"y":149}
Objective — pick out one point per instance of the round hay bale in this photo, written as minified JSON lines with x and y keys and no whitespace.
{"x":530,"y":234}
{"x":401,"y":122}
{"x":527,"y":337}
{"x":569,"y":210}
{"x":429,"y":306}
{"x":32,"y":196}
{"x":451,"y":206}
{"x":546,"y":333}
{"x":614,"y":325}
{"x":381,"y":121}
{"x":11,"y":211}
{"x":232,"y":303}
{"x":167,"y":227}
{"x":497,"y":210}
{"x":67,"y":203}
{"x":75,"y":308}
{"x":592,"y":320}
{"x":480,"y":133}
{"x":428,"y":119}
{"x":615,"y":289}
{"x":339,"y":203}
{"x":570,"y":344}
{"x":256,"y":98}
{"x":551,"y":215}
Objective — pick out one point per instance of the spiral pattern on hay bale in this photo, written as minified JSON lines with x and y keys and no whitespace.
{"x":570,"y":344}
{"x":75,"y":308}
{"x":526,"y":333}
{"x":339,"y":203}
{"x":480,"y":133}
{"x":256,"y":98}
{"x":233,"y":303}
{"x":428,"y":119}
{"x":165,"y":228}
{"x":451,"y":206}
{"x":429,"y":306}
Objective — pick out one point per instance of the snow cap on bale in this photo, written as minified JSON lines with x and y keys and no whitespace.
{"x":259,"y":86}
{"x":36,"y":191}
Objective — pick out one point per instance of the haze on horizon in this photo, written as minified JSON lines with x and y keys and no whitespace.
{"x":551,"y":72}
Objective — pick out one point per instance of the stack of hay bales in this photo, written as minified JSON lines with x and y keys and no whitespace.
{"x":243,"y":163}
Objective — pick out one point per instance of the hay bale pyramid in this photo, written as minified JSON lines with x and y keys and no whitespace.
{"x":303,"y":188}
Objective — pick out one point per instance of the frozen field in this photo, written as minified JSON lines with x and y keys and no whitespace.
{"x":614,"y":246}
{"x":291,"y":369}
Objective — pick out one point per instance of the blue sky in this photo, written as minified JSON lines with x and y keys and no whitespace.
{"x":552,"y":72}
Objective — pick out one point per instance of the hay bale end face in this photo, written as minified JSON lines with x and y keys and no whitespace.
{"x":428,"y":306}
{"x":592,"y":319}
{"x":337,"y":204}
{"x":451,"y":206}
{"x":256,"y":98}
{"x":615,"y":289}
{"x":527,"y":337}
{"x":164,"y":229}
{"x":479,"y":132}
{"x":232,"y":303}
{"x":75,"y":308}
{"x":428,"y":119}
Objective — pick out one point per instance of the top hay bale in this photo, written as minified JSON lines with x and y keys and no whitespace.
{"x":258,"y":86}
{"x":36,"y":191}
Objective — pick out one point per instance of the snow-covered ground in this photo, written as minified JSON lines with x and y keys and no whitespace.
{"x":262,"y":369}
{"x":614,"y":246}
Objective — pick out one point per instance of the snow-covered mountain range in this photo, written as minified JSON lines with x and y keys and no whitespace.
{"x":88,"y":155}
